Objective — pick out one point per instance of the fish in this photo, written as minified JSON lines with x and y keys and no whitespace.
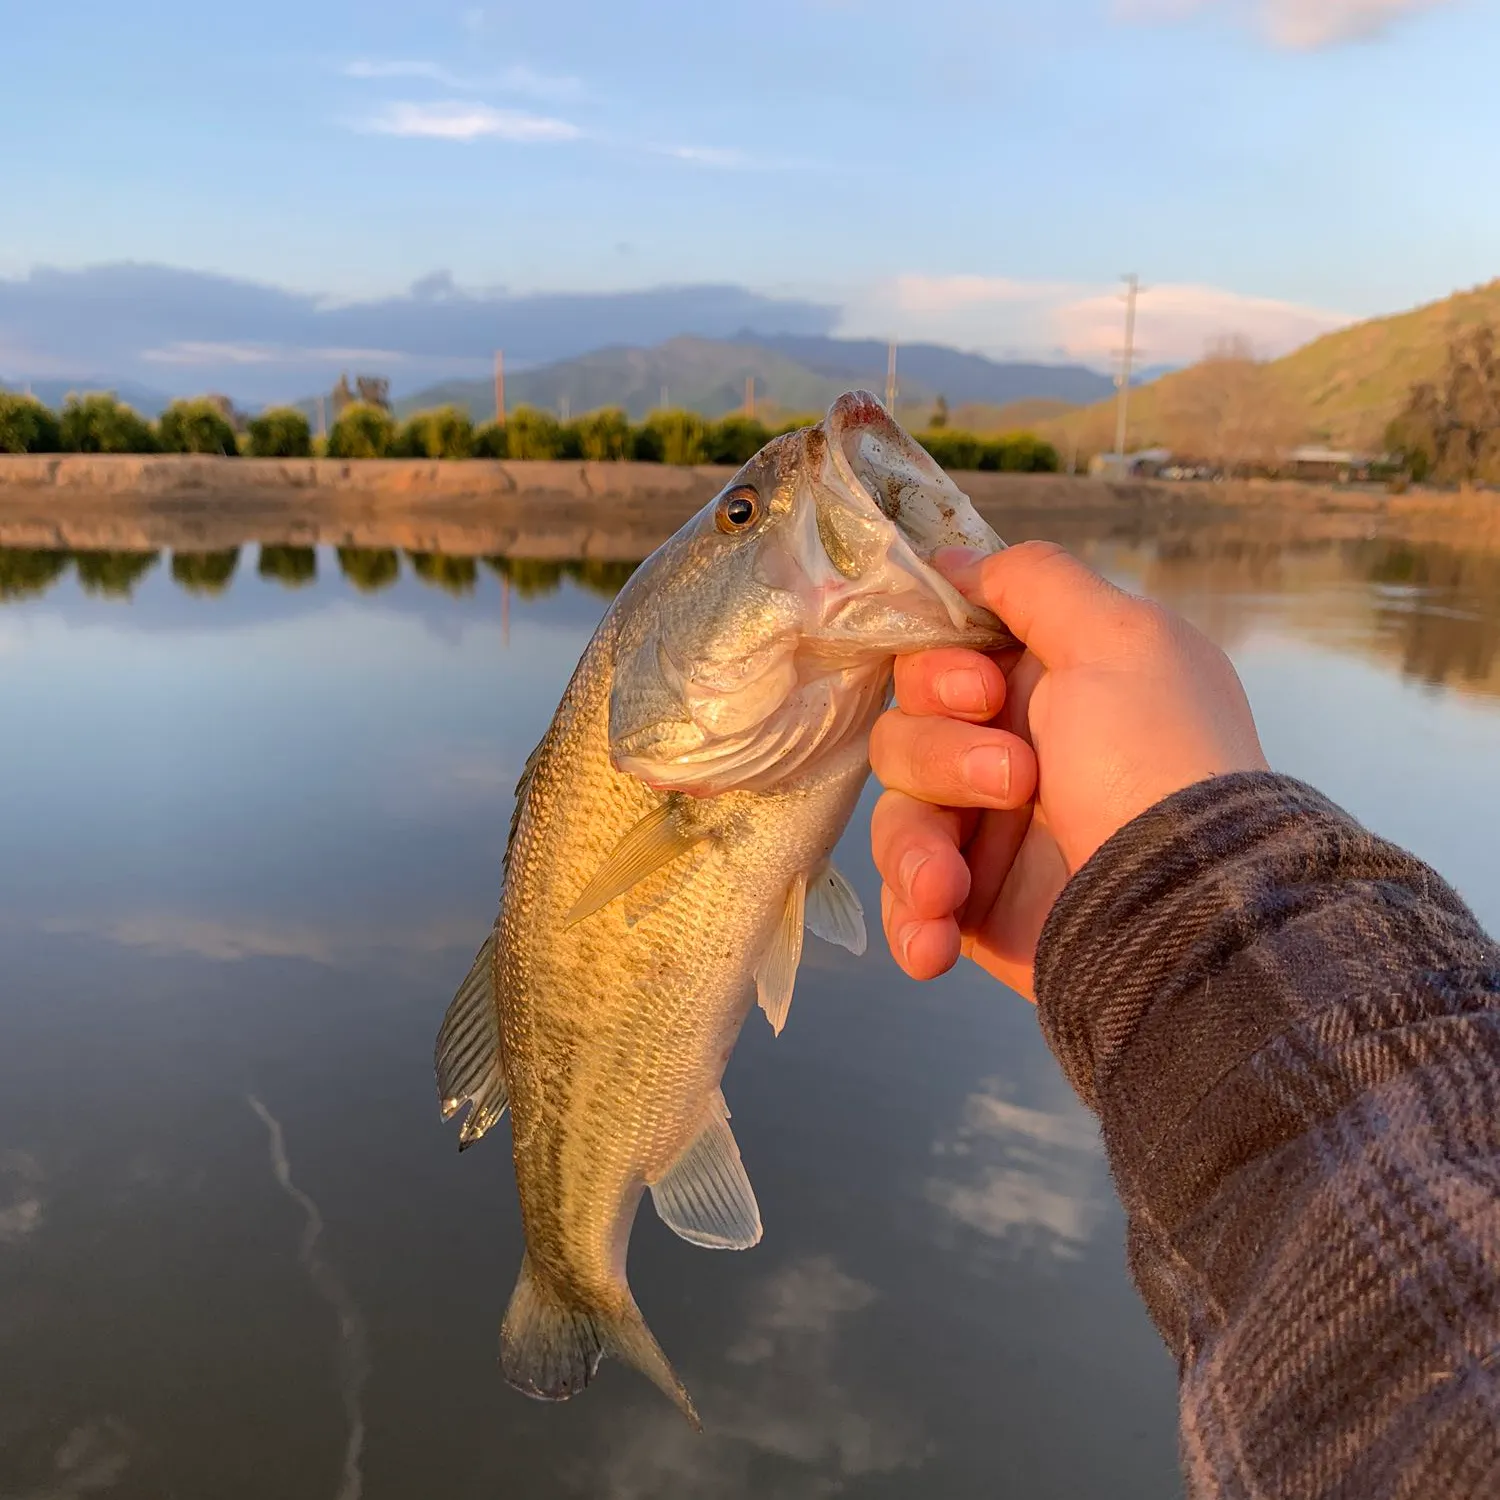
{"x":671,"y":842}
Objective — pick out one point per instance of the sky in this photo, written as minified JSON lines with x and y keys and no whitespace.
{"x":974,"y":172}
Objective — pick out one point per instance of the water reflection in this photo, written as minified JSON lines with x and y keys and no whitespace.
{"x":113,"y":575}
{"x":369,"y":569}
{"x":206,"y":573}
{"x":294,"y":567}
{"x":27,"y":572}
{"x":454,"y":575}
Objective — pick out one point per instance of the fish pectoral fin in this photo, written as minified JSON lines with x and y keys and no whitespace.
{"x":469,"y":1060}
{"x":655,"y":841}
{"x":833,"y":910}
{"x":706,"y":1198}
{"x":776,"y":973}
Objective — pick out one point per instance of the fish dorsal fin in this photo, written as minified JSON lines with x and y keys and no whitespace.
{"x":776,"y":974}
{"x":655,"y":841}
{"x":833,"y":910}
{"x":706,"y":1197}
{"x":470,"y":1067}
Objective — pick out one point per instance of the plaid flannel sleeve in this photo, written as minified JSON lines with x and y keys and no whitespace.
{"x":1290,"y":1032}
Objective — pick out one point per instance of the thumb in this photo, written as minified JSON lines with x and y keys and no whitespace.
{"x":1057,"y":605}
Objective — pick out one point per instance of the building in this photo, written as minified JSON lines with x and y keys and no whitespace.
{"x":1147,"y":464}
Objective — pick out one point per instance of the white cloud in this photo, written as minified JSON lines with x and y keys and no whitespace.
{"x":516,"y":79}
{"x":455,"y":120}
{"x":1297,"y":25}
{"x":1007,"y":317}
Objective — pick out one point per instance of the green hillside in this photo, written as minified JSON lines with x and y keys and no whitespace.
{"x":1342,"y":389}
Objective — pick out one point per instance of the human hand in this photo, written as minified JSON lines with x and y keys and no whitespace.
{"x":1115,"y":704}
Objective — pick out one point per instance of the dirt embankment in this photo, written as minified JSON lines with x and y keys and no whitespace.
{"x":619,"y":510}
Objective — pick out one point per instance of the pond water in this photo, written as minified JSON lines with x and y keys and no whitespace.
{"x":253,"y":811}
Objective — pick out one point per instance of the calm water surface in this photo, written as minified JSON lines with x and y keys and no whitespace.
{"x":253,"y":818}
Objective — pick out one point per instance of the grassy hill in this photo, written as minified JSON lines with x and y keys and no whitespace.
{"x":1342,"y":389}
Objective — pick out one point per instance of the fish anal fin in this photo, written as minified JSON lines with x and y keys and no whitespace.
{"x":776,"y":974}
{"x":550,"y":1349}
{"x":706,"y":1197}
{"x":833,"y":910}
{"x":469,"y":1061}
{"x":655,"y":841}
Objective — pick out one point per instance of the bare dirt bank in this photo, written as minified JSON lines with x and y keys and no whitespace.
{"x":621,"y":510}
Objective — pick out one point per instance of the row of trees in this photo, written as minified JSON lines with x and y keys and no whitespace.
{"x":28,"y":572}
{"x":367,"y":429}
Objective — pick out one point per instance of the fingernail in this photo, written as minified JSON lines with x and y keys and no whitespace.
{"x":904,"y":942}
{"x":987,"y":770}
{"x":963,"y":690}
{"x":911,"y":866}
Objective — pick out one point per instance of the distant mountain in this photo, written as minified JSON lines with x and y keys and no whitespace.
{"x":792,"y":374}
{"x":1342,"y":389}
{"x":54,"y":393}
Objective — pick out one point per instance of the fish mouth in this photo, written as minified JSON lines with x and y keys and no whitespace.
{"x":875,"y":478}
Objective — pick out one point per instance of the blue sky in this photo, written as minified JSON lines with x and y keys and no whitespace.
{"x":978,"y":173}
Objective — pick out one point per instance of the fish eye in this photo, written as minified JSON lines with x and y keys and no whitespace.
{"x":739,"y":510}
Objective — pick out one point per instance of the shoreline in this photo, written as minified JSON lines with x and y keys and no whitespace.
{"x":621,"y":511}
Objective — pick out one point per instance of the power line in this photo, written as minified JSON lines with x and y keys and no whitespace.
{"x":1127,"y":359}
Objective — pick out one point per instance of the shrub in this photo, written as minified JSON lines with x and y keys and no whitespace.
{"x":490,"y":441}
{"x":955,"y":451}
{"x":370,"y":569}
{"x":362,"y":431}
{"x":796,"y":423}
{"x":680,"y":436}
{"x":531,"y":433}
{"x":604,"y":435}
{"x":205,"y":572}
{"x":26,"y":426}
{"x":100,"y":424}
{"x":736,"y":440}
{"x":454,"y":575}
{"x":196,"y":427}
{"x":443,"y":432}
{"x":280,"y":432}
{"x":292,"y":566}
{"x":113,"y":574}
{"x":1021,"y":453}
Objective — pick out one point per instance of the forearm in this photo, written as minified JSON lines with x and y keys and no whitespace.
{"x":1290,"y":1031}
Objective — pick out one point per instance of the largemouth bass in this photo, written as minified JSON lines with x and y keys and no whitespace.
{"x":670,"y":842}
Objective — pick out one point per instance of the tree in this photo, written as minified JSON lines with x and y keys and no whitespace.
{"x":205,"y":572}
{"x":679,"y":437}
{"x":490,"y":441}
{"x":939,"y":418}
{"x":604,"y":435}
{"x":280,"y":432}
{"x":443,"y":432}
{"x":342,"y":396}
{"x":196,"y":427}
{"x":370,"y":569}
{"x":1451,"y":430}
{"x":374,"y":390}
{"x":735,"y":440}
{"x":113,"y":575}
{"x":1229,"y":411}
{"x":100,"y":424}
{"x":362,"y":431}
{"x":291,"y":566}
{"x":532,"y":433}
{"x":26,"y":426}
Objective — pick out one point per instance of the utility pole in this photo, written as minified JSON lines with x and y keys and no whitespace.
{"x":750,"y":397}
{"x":565,"y":407}
{"x":322,"y":420}
{"x":890,"y":378}
{"x":1127,"y":360}
{"x":500,"y":386}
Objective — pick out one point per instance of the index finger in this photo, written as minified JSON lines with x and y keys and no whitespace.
{"x":1045,"y":596}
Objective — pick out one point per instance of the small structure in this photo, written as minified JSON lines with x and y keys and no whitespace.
{"x":1147,"y":464}
{"x":1330,"y":465}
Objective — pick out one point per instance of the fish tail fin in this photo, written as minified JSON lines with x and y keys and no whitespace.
{"x":550,"y":1350}
{"x":627,"y":1336}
